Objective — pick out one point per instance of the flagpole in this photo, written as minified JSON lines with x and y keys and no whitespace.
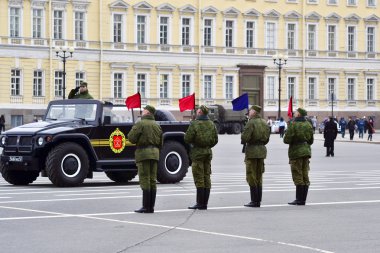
{"x":133,"y":116}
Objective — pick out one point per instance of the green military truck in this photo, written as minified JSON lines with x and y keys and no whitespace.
{"x":79,"y":137}
{"x":226,"y":120}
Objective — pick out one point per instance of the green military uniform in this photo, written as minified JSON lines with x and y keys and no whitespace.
{"x":147,"y":135}
{"x":81,"y":95}
{"x":255,"y":135}
{"x":202,"y":136}
{"x":299,"y":136}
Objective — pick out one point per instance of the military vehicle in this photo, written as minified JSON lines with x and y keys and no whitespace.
{"x":226,"y":120}
{"x":79,"y":137}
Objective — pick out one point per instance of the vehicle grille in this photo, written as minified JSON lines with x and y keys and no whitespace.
{"x":23,"y":145}
{"x":12,"y":140}
{"x":25,"y":141}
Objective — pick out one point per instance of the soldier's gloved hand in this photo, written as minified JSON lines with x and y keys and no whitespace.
{"x":76,"y":89}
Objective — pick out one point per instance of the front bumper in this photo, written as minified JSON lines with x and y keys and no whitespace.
{"x":20,"y":163}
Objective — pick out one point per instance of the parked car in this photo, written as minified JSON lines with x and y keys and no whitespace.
{"x":321,"y":127}
{"x":275,"y":129}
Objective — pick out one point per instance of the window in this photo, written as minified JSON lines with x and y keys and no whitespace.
{"x":37,"y":23}
{"x":331,"y":87}
{"x":291,"y":41}
{"x":351,"y":2}
{"x":58,"y":25}
{"x":370,"y":88}
{"x":370,"y":39}
{"x":79,"y":25}
{"x":250,"y":36}
{"x":351,"y":89}
{"x":58,"y":83}
{"x":118,"y":85}
{"x":186,"y":31}
{"x":207,"y":32}
{"x":37,"y":83}
{"x":332,"y":2}
{"x":186,"y":82}
{"x":229,"y":33}
{"x":164,"y":85}
{"x":15,"y":22}
{"x":79,"y":77}
{"x":270,"y":35}
{"x":207,"y":86}
{"x":117,"y":27}
{"x":16,"y":120}
{"x":311,"y":37}
{"x":331,"y":37}
{"x":371,"y":3}
{"x":141,"y":84}
{"x":229,"y":87}
{"x":312,"y":1}
{"x":141,"y":29}
{"x":291,"y":87}
{"x":270,"y":87}
{"x":15,"y":82}
{"x":312,"y":86}
{"x":351,"y":40}
{"x":164,"y":29}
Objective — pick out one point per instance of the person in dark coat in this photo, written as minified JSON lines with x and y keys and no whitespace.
{"x":329,"y":133}
{"x":371,"y":129}
{"x":351,"y":128}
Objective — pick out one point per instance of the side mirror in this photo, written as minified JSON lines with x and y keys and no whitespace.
{"x":107,"y":120}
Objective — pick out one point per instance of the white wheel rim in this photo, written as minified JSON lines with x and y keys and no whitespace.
{"x":179,"y":160}
{"x":78,"y":168}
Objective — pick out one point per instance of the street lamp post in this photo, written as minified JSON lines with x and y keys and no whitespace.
{"x":64,"y":53}
{"x":279,"y":60}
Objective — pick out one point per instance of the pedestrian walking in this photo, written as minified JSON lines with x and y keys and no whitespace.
{"x":361,"y":124}
{"x":329,"y":133}
{"x":351,"y":128}
{"x":83,"y":92}
{"x":255,"y":135}
{"x":371,"y":129}
{"x":2,"y":123}
{"x":300,"y":137}
{"x":270,"y":123}
{"x":342,"y":124}
{"x":202,"y":136}
{"x":281,"y":127}
{"x":147,"y":135}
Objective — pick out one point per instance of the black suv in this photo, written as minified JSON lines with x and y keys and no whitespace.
{"x":78,"y":137}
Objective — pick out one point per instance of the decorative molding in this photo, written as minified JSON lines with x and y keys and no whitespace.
{"x":231,"y":12}
{"x":143,"y":6}
{"x":142,"y":66}
{"x":210,"y":69}
{"x":38,"y":3}
{"x":188,"y":9}
{"x":119,"y":4}
{"x":119,"y":65}
{"x":15,"y":3}
{"x":166,"y":7}
{"x":230,"y":69}
{"x":334,"y":72}
{"x":314,"y":16}
{"x":312,"y":71}
{"x":352,"y":73}
{"x":372,"y":19}
{"x":165,"y":67}
{"x":353,"y":18}
{"x":292,"y":71}
{"x":292,"y":15}
{"x":333,"y":17}
{"x":371,"y":73}
{"x":272,"y":14}
{"x":210,"y":10}
{"x":80,"y":5}
{"x":251,"y":13}
{"x":59,"y":4}
{"x":187,"y":68}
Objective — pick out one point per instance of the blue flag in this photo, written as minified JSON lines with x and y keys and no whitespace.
{"x":240,"y":103}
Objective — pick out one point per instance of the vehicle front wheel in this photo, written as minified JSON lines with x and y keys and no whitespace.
{"x":236,"y":128}
{"x":67,"y":165}
{"x":121,"y":176}
{"x":18,"y":177}
{"x":173,"y":163}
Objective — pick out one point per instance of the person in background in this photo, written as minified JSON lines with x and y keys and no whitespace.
{"x":314,"y":122}
{"x":2,"y":123}
{"x":371,"y":129}
{"x":361,"y":124}
{"x":281,"y":127}
{"x":329,"y":133}
{"x":365,"y":124}
{"x":270,"y":123}
{"x":351,"y":128}
{"x":342,"y":124}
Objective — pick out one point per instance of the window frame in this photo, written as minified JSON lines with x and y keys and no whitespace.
{"x":42,"y":19}
{"x":14,"y":90}
{"x":42,"y":84}
{"x":254,"y":33}
{"x":17,"y":27}
{"x":266,"y":38}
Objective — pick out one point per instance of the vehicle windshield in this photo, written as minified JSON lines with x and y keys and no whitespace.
{"x":119,"y":114}
{"x":72,"y":112}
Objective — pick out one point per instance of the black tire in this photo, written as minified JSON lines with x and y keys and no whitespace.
{"x":18,"y":177}
{"x":173,"y":163}
{"x":236,"y":128}
{"x":67,"y":165}
{"x":121,"y":176}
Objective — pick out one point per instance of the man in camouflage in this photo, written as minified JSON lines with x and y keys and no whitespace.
{"x":83,"y":92}
{"x":255,"y":135}
{"x":147,"y":135}
{"x":300,"y":137}
{"x":202,"y":136}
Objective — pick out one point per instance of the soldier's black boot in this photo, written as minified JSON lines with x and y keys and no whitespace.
{"x":200,"y":198}
{"x":298,"y":195}
{"x":152,"y":201}
{"x":259,"y":196}
{"x":145,"y":202}
{"x":206,"y":196}
{"x":252,"y":192}
{"x":305,"y":189}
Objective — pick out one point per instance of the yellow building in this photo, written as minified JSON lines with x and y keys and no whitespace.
{"x":170,"y":49}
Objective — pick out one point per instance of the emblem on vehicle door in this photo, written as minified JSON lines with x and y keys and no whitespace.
{"x":117,"y":141}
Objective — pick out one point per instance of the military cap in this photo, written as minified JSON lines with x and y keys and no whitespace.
{"x":83,"y":83}
{"x":303,"y":112}
{"x":256,"y":108}
{"x":204,"y":109}
{"x":150,"y":108}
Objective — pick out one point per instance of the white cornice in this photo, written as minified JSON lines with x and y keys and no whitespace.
{"x":188,"y":9}
{"x":15,"y":3}
{"x":352,"y":73}
{"x":119,"y":65}
{"x":165,"y":67}
{"x":230,"y":69}
{"x":142,"y":66}
{"x":371,"y":73}
{"x":209,"y":69}
{"x":187,"y":68}
{"x":38,"y":3}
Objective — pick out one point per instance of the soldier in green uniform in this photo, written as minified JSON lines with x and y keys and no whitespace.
{"x":255,"y":135}
{"x":83,"y":92}
{"x":300,"y":137}
{"x":202,"y":136}
{"x":147,"y":135}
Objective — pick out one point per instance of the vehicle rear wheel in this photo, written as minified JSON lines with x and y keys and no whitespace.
{"x":173,"y":163}
{"x":18,"y":177}
{"x":67,"y":165}
{"x":121,"y":176}
{"x":236,"y":128}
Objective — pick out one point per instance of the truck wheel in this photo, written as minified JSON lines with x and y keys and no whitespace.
{"x":67,"y":165}
{"x":121,"y":176}
{"x":173,"y":163}
{"x":18,"y":177}
{"x":236,"y":128}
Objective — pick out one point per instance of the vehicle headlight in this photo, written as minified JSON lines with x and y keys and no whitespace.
{"x":3,"y":140}
{"x":40,"y":141}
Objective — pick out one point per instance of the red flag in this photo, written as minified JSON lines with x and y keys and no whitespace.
{"x":187,"y":103}
{"x":133,"y":101}
{"x":290,"y":107}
